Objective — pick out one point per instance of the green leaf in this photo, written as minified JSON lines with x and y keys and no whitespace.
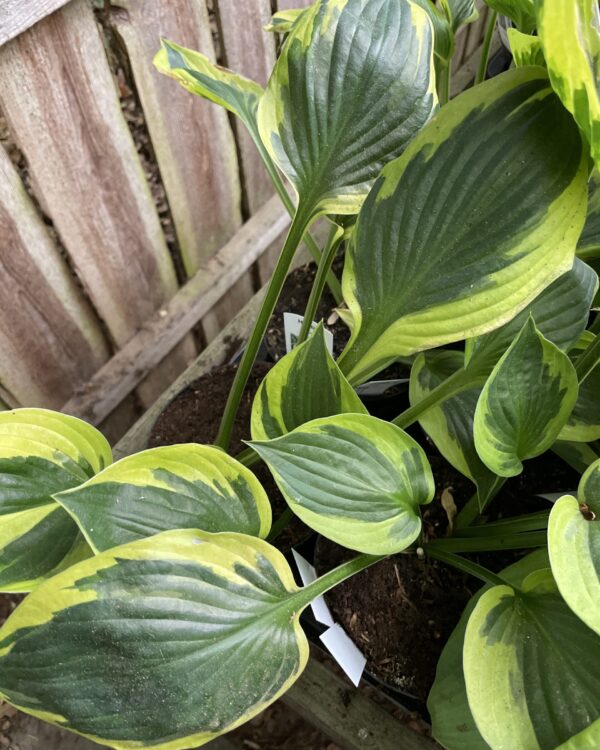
{"x":583,"y":424}
{"x":450,"y":423}
{"x":461,"y":12}
{"x":353,"y":478}
{"x":443,"y":35}
{"x":526,"y":49}
{"x":525,"y":402}
{"x":570,"y":34}
{"x":303,"y":385}
{"x":352,"y":86}
{"x":196,"y":73}
{"x":42,"y":452}
{"x":532,"y":668}
{"x":521,"y":12}
{"x":588,"y":246}
{"x":577,"y":455}
{"x":172,"y":487}
{"x":452,"y":721}
{"x":282,"y":22}
{"x":574,"y":547}
{"x":561,"y":313}
{"x":163,"y":643}
{"x":478,"y":216}
{"x":586,"y":740}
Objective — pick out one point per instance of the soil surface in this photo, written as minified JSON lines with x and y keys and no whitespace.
{"x":294,"y":297}
{"x":402,"y":611}
{"x":194,"y":416}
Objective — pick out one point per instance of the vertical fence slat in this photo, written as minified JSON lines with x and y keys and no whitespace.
{"x":192,"y":139}
{"x":292,"y":4}
{"x":50,"y":341}
{"x":58,"y":94}
{"x":250,"y":50}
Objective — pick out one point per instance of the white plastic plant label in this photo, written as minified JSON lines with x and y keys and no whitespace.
{"x":308,"y":574}
{"x":335,"y":639}
{"x":345,"y":652}
{"x":292,"y":324}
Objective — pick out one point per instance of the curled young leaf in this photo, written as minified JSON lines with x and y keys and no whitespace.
{"x":525,"y":402}
{"x":450,"y":423}
{"x":588,"y":246}
{"x":353,"y":84}
{"x":353,"y":478}
{"x":561,"y":313}
{"x":172,"y":487}
{"x":570,"y":34}
{"x":532,"y":668}
{"x":520,"y":12}
{"x":583,"y":424}
{"x":574,"y":547}
{"x":163,"y":643}
{"x":303,"y":385}
{"x":42,"y":452}
{"x":478,"y":216}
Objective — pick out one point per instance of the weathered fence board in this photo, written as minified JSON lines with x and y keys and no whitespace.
{"x":17,"y":16}
{"x":250,"y":50}
{"x":192,"y":140}
{"x":348,"y":716}
{"x":50,"y":340}
{"x":124,"y":371}
{"x":59,"y":97}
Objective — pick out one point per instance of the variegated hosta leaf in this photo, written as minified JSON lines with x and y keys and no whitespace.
{"x":163,"y":643}
{"x":478,"y":216}
{"x":583,"y":424}
{"x":570,"y":34}
{"x":532,"y":668}
{"x":443,"y":35}
{"x":589,"y":242}
{"x":282,"y":22}
{"x":452,"y":721}
{"x":352,"y":86}
{"x":526,"y":49}
{"x":574,"y":546}
{"x":450,"y":423}
{"x":199,"y":75}
{"x":353,"y":478}
{"x":521,"y":12}
{"x":460,"y":12}
{"x":303,"y":385}
{"x":577,"y":455}
{"x":172,"y":487}
{"x":42,"y":452}
{"x":561,"y":313}
{"x":585,"y":740}
{"x":525,"y":402}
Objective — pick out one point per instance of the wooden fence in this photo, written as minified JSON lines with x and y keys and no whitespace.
{"x":95,"y":299}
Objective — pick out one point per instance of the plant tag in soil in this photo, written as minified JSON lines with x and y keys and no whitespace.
{"x":308,"y":574}
{"x":292,"y":324}
{"x":345,"y":652}
{"x":335,"y":639}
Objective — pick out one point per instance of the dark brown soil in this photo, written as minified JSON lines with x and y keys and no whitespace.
{"x":294,"y":297}
{"x":194,"y":416}
{"x":8,"y":602}
{"x":402,"y":611}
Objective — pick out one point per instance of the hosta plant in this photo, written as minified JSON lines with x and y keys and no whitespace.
{"x":470,"y":230}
